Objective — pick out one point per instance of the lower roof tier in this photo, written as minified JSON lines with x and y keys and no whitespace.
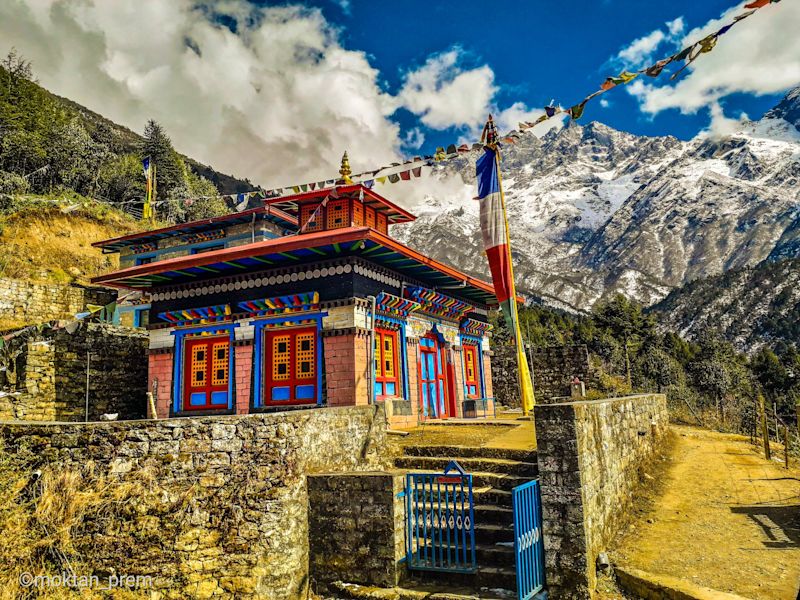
{"x":296,"y":250}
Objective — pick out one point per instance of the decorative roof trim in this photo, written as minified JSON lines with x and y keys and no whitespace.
{"x":394,"y":305}
{"x":437,"y":304}
{"x":197,"y":316}
{"x":280,"y":305}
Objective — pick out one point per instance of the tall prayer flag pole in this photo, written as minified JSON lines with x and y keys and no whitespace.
{"x":149,"y":168}
{"x":496,"y":243}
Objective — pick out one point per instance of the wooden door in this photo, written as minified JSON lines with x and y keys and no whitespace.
{"x":290,"y":366}
{"x":205,"y":373}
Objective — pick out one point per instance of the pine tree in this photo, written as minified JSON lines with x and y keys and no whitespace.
{"x":169,"y":166}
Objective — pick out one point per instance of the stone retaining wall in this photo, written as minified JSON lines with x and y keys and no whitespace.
{"x":356,"y":529}
{"x":591,"y":457}
{"x":553,"y":369}
{"x":47,"y":378}
{"x":25,"y":302}
{"x":218,"y":505}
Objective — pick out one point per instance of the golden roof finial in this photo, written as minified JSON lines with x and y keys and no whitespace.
{"x":345,"y":171}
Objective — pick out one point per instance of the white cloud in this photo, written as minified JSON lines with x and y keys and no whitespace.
{"x":760,"y":55}
{"x":721,"y":125}
{"x":676,"y":27}
{"x":443,"y":94}
{"x":604,"y":103}
{"x":641,"y":49}
{"x":414,"y":138}
{"x":510,"y":118}
{"x":277,"y":101}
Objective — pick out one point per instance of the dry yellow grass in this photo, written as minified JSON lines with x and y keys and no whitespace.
{"x":42,"y":243}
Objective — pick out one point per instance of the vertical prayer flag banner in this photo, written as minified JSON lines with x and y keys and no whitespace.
{"x":494,"y":230}
{"x":147,"y":167}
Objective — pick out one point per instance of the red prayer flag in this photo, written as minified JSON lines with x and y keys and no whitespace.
{"x":757,"y":3}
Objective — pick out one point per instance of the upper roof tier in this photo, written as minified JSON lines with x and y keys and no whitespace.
{"x":371,"y":200}
{"x":349,"y":205}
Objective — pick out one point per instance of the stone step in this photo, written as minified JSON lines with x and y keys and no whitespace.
{"x":486,"y":555}
{"x":494,"y":514}
{"x":471,"y":452}
{"x":483,"y":495}
{"x":487,"y":578}
{"x":500,"y":481}
{"x":489,"y":465}
{"x":485,"y":533}
{"x":425,"y":591}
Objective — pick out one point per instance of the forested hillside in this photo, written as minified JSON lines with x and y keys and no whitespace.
{"x":50,"y":144}
{"x":706,"y":379}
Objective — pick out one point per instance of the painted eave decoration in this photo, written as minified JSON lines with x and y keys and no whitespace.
{"x":394,"y":305}
{"x":437,"y":304}
{"x":197,"y":316}
{"x":280,"y":305}
{"x":472,"y":327}
{"x":299,"y":249}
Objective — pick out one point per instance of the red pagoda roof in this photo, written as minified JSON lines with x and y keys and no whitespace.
{"x":394,"y":214}
{"x":290,"y":250}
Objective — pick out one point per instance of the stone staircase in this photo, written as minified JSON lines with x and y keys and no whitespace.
{"x":495,"y":472}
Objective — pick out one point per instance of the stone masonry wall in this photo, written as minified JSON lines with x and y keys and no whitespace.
{"x":217,"y":506}
{"x":591,"y":458}
{"x":360,"y":540}
{"x":26,"y":302}
{"x":51,"y":375}
{"x":553,"y":368}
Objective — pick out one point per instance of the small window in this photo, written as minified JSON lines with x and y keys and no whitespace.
{"x":282,"y":347}
{"x":143,"y":260}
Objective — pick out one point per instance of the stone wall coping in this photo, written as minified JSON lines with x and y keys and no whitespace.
{"x":181,"y":421}
{"x":384,"y":473}
{"x":599,"y":401}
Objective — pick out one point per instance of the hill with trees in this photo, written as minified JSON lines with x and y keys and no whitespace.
{"x":50,"y":144}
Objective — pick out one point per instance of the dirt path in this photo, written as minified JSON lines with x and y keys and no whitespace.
{"x":723,"y":518}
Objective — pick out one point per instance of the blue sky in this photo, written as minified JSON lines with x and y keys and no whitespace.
{"x":275,"y":92}
{"x":538,"y":51}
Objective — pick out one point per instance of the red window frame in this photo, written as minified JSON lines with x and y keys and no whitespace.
{"x":210,"y":383}
{"x":382,"y":223}
{"x":290,"y":387}
{"x":472,"y":371}
{"x":385,"y":377}
{"x":369,"y":216}
{"x":306,"y":210}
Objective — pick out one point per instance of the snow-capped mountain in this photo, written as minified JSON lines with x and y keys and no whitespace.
{"x":594,"y":211}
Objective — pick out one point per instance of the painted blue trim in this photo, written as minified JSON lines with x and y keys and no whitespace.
{"x":177,"y":360}
{"x":258,"y":328}
{"x":137,"y":258}
{"x":216,"y":245}
{"x":479,"y":343}
{"x":403,"y":353}
{"x":267,"y":235}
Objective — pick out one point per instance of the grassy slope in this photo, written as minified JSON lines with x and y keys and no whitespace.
{"x":42,"y":241}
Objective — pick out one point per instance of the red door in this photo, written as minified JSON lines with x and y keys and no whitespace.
{"x":290,"y":368}
{"x":205,"y":373}
{"x":432,"y":378}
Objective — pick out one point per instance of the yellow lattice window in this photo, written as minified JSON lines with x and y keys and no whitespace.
{"x":219,"y":363}
{"x":337,"y":214}
{"x":470,"y":359}
{"x":369,"y":216}
{"x":199,"y":366}
{"x":306,"y":211}
{"x":304,"y":355}
{"x":358,"y":213}
{"x":281,"y":358}
{"x":388,"y":356}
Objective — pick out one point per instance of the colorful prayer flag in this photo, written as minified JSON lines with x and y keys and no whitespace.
{"x":757,"y":4}
{"x":494,"y":231}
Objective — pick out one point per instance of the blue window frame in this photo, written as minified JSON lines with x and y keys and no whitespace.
{"x":204,"y":249}
{"x":141,"y":317}
{"x":144,"y":259}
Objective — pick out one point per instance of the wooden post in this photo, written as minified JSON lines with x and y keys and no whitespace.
{"x":777,"y":427}
{"x":786,"y":446}
{"x":764,"y":428}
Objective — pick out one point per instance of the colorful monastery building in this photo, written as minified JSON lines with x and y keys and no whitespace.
{"x":306,"y":301}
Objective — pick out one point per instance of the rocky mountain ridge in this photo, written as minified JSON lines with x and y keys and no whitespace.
{"x":594,"y":211}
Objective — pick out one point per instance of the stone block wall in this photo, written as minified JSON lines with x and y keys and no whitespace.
{"x":345,"y":356}
{"x":218,"y":505}
{"x":51,"y":375}
{"x":26,"y":302}
{"x":591,"y":457}
{"x":356,"y":530}
{"x":553,"y":368}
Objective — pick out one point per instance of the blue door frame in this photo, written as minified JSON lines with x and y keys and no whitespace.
{"x":440,"y":521}
{"x":528,"y":543}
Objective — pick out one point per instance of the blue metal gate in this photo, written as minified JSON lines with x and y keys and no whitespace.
{"x":440,"y":521}
{"x":528,"y":544}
